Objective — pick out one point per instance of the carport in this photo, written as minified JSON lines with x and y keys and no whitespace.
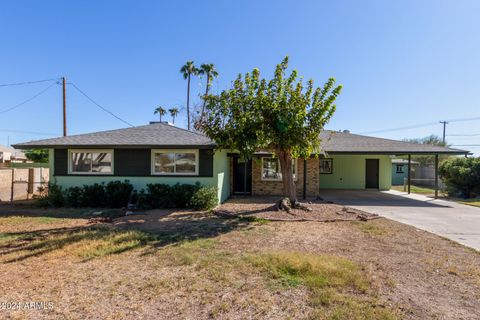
{"x":345,"y":143}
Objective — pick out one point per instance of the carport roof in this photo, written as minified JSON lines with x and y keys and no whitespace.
{"x":349,"y":143}
{"x":165,"y":135}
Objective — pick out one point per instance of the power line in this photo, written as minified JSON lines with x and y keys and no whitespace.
{"x":29,"y":132}
{"x":403,"y":128}
{"x":466,"y":145}
{"x":26,"y":82}
{"x":28,"y":100}
{"x":421,"y":125}
{"x":98,"y":105}
{"x":464,"y":119}
{"x":463,"y":135}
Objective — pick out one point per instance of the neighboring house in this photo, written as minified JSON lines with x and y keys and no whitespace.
{"x":400,"y":171}
{"x":162,"y":153}
{"x":8,"y":155}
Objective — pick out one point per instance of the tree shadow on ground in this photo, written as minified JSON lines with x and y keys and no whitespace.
{"x":31,"y":210}
{"x":92,"y":241}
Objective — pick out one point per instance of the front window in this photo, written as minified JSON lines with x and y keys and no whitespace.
{"x":326,"y":166}
{"x":175,"y":162}
{"x":271,"y":169}
{"x":91,"y":161}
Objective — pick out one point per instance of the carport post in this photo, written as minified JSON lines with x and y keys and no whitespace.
{"x":436,"y":176}
{"x":409,"y":172}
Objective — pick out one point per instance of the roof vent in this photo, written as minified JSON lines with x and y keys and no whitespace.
{"x":164,"y":122}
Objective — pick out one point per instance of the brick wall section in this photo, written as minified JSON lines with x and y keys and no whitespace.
{"x":261,"y":187}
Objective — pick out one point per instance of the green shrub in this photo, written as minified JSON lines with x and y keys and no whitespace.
{"x":93,"y":195}
{"x":73,"y":197}
{"x":158,"y":196}
{"x":182,"y":193}
{"x":462,"y":176}
{"x":117,"y":193}
{"x":53,"y":198}
{"x":205,"y":198}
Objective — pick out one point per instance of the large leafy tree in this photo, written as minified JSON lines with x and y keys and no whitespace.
{"x":283,"y":115}
{"x":187,"y":70}
{"x":210,"y":72}
{"x":431,"y":140}
{"x":37,"y":155}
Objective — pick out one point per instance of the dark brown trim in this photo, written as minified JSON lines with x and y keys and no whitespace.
{"x":109,"y":146}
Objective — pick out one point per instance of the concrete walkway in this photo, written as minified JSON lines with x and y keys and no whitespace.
{"x":458,"y":222}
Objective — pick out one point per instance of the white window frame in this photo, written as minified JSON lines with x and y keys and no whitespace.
{"x":152,"y":162}
{"x":294,"y":162}
{"x":70,"y":159}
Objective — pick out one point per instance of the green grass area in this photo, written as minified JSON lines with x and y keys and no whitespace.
{"x":416,"y":189}
{"x":471,"y":202}
{"x":20,"y":220}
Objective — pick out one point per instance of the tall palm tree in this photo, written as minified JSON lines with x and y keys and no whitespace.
{"x":188,"y":70}
{"x":209,"y":70}
{"x":161,"y":112}
{"x":174,"y":113}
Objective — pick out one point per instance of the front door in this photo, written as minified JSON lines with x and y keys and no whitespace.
{"x":372,"y":172}
{"x":239,"y":176}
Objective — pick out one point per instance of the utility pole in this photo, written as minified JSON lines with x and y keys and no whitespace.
{"x":64,"y":84}
{"x":444,"y":127}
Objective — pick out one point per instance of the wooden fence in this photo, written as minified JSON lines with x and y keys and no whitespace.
{"x":22,"y":183}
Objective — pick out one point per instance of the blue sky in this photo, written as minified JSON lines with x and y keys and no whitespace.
{"x":401,"y":62}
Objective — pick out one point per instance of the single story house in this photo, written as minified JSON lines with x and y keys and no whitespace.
{"x":8,"y":155}
{"x":163,"y":153}
{"x":400,"y":171}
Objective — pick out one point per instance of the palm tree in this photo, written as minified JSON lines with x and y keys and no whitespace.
{"x":188,"y":70}
{"x":161,"y":112}
{"x":210,"y":71}
{"x":174,"y":113}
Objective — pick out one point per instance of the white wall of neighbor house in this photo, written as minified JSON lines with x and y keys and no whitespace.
{"x":220,"y":179}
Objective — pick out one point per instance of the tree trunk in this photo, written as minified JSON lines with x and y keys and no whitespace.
{"x":206,"y":94}
{"x":289,"y":189}
{"x":188,"y":102}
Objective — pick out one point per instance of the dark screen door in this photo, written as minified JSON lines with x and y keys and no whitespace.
{"x":372,"y":168}
{"x":239,"y":176}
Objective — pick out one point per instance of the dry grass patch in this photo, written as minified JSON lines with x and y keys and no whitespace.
{"x":338,"y":288}
{"x":370,"y":228}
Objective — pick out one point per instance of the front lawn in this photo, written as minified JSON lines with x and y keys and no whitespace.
{"x":419,"y":190}
{"x":471,"y":202}
{"x":195,"y":265}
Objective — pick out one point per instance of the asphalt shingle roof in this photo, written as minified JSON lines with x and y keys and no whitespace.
{"x":155,"y":134}
{"x":166,"y":135}
{"x":346,"y":142}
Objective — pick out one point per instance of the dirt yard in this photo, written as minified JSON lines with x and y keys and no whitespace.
{"x":194,"y":265}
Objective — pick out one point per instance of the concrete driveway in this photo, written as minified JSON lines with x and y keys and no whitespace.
{"x":458,"y":222}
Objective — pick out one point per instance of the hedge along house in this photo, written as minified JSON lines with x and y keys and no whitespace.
{"x":163,"y":153}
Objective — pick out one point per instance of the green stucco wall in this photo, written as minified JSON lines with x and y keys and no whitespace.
{"x":220,"y":177}
{"x":349,"y":172}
